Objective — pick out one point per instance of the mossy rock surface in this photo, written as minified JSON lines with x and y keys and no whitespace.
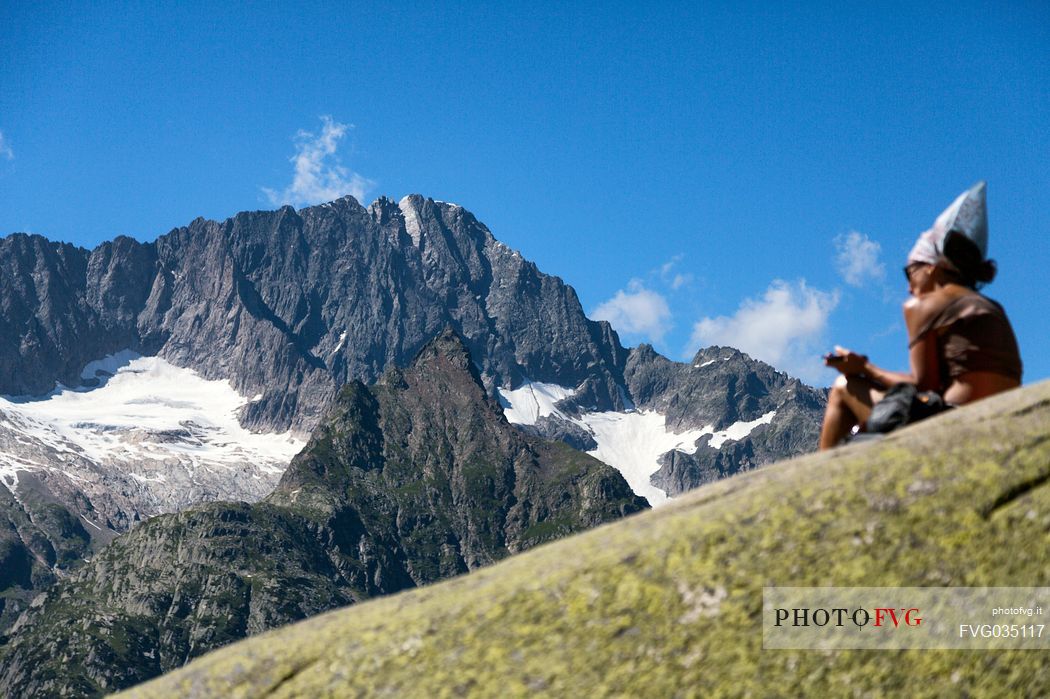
{"x":960,"y":500}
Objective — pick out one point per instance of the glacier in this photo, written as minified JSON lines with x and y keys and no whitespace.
{"x":632,"y":442}
{"x":160,"y":436}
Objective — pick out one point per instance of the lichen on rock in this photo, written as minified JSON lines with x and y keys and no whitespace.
{"x":628,"y":609}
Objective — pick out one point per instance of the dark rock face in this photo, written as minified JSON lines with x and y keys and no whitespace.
{"x":722,"y":386}
{"x":415,"y":479}
{"x":550,"y":427}
{"x":294,"y":304}
{"x":40,"y":540}
{"x":61,"y":307}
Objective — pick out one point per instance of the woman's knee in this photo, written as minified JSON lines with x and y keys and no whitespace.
{"x":854,"y":390}
{"x":840,"y":386}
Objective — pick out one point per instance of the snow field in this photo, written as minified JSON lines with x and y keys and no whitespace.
{"x":631,"y":442}
{"x":143,"y":407}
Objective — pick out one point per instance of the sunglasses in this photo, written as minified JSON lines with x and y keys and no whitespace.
{"x":910,"y":268}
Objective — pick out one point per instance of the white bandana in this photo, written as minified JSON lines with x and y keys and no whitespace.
{"x":967,"y":215}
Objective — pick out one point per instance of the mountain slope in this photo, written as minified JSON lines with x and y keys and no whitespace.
{"x":687,"y":424}
{"x":671,"y":602}
{"x":80,"y":466}
{"x":413,"y":480}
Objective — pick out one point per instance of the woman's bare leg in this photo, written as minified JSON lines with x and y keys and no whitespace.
{"x":849,"y":404}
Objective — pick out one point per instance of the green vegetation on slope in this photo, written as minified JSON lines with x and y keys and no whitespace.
{"x":668,"y":603}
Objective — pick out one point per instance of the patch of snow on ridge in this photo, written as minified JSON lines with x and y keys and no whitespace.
{"x":147,"y":394}
{"x":9,"y":469}
{"x":738,"y":430}
{"x":339,"y":345}
{"x":107,"y":367}
{"x":631,"y":442}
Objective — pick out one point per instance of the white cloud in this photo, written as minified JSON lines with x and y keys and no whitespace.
{"x":784,"y":328}
{"x":681,"y":280}
{"x":637,"y":311}
{"x":857,"y":258}
{"x":318,"y":175}
{"x":676,"y":280}
{"x":665,"y":268}
{"x":5,"y":148}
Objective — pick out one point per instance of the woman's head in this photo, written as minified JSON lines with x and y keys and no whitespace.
{"x":959,"y":262}
{"x":956,"y":245}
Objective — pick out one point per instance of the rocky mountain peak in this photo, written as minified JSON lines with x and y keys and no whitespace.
{"x":719,"y":353}
{"x":444,"y":356}
{"x":292,"y":304}
{"x":347,"y":200}
{"x":382,"y":209}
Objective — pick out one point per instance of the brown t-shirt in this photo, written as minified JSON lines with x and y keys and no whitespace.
{"x":973,"y":334}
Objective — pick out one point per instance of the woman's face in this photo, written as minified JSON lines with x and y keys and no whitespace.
{"x":920,"y":278}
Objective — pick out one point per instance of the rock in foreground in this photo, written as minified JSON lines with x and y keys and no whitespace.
{"x":669,"y":603}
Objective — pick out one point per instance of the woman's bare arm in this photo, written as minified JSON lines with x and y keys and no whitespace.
{"x":885,"y":377}
{"x":853,"y":364}
{"x":922,"y":354}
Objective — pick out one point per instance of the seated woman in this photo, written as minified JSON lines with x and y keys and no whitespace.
{"x":960,"y":344}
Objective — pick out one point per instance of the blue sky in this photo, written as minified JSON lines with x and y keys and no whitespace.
{"x":731,"y":173}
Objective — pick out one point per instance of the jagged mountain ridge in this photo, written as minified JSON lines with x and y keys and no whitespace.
{"x":415,"y":479}
{"x":292,"y":304}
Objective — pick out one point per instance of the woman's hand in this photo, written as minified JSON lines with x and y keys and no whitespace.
{"x":846,"y":361}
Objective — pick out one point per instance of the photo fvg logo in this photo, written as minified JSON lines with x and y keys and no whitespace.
{"x":879,"y":617}
{"x":895,"y":618}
